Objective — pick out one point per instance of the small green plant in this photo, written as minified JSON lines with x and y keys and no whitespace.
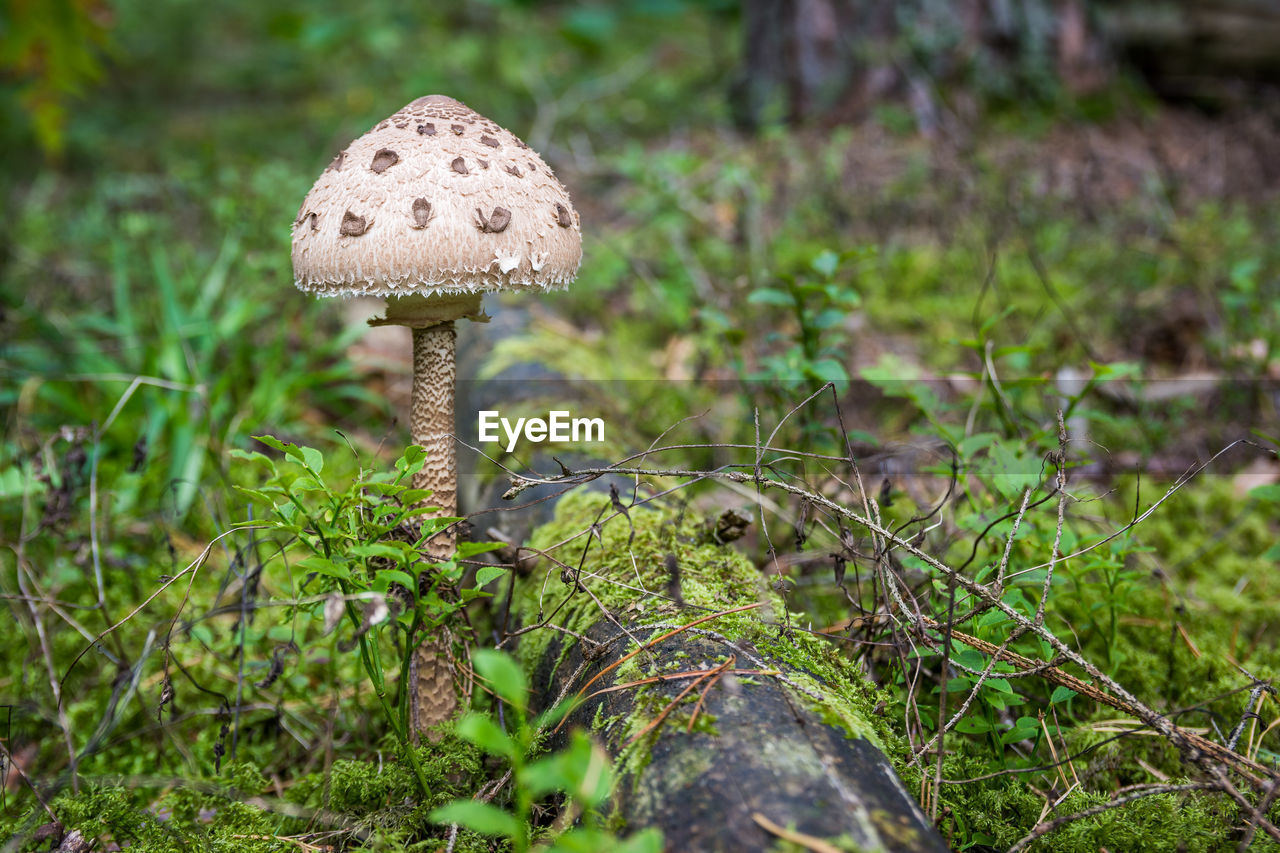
{"x":581,"y":771}
{"x":820,"y":304}
{"x":363,"y":546}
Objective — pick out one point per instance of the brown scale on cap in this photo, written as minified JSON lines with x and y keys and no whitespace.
{"x":563,"y":219}
{"x":336,"y":165}
{"x":496,"y":223}
{"x":459,"y":165}
{"x":421,"y":212}
{"x":514,"y":170}
{"x":489,"y":140}
{"x":383,"y":160}
{"x":458,"y":128}
{"x":352,"y":225}
{"x":427,"y":129}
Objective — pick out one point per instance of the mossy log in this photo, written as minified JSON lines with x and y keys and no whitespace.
{"x":784,"y":737}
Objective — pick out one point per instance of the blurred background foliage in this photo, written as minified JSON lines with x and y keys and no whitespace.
{"x":966,"y":214}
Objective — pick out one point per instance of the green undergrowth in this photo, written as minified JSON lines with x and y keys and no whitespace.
{"x":999,"y":814}
{"x":1180,"y":611}
{"x":373,"y":805}
{"x":1165,"y":613}
{"x":713,"y":579}
{"x":1197,"y":604}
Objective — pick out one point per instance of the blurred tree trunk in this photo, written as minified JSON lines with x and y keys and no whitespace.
{"x":832,"y":60}
{"x":802,"y":57}
{"x":1203,"y":49}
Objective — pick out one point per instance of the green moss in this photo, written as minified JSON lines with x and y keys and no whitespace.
{"x":1003,"y":813}
{"x":713,"y":578}
{"x":1169,"y":613}
{"x":379,"y":804}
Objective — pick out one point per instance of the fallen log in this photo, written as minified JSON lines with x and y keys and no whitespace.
{"x":729,"y":734}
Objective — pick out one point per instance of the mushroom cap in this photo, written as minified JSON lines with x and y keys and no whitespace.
{"x":436,"y":199}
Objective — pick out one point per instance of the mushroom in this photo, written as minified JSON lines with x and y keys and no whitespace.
{"x":412,"y":213}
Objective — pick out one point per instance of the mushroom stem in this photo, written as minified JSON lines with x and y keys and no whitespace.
{"x":431,"y":423}
{"x":433,"y":699}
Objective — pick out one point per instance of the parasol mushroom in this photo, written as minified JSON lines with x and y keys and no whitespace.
{"x":433,"y":207}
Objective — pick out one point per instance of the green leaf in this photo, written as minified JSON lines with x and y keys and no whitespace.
{"x":1024,"y":729}
{"x":412,"y":461}
{"x":503,"y":676}
{"x":266,"y":497}
{"x":391,"y":550}
{"x":770,"y":296}
{"x":478,"y":817}
{"x":588,"y":770}
{"x":432,"y":523}
{"x":586,"y":840}
{"x":323,"y":566}
{"x":312,"y":458}
{"x":828,"y":370}
{"x":544,"y":776}
{"x":979,"y":838}
{"x":553,"y":715}
{"x":470,"y":549}
{"x":280,"y":633}
{"x":990,"y":322}
{"x":306,"y":484}
{"x":1003,"y":700}
{"x":1012,"y":467}
{"x":993,"y":617}
{"x":645,"y":841}
{"x":582,"y":771}
{"x":1269,"y":493}
{"x":487,"y":574}
{"x":828,"y":318}
{"x":253,"y":456}
{"x":290,"y":450}
{"x":973,"y":726}
{"x":384,"y":488}
{"x":481,"y":730}
{"x":383,"y":580}
{"x":826,"y":263}
{"x":971,"y":445}
{"x":1061,"y":694}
